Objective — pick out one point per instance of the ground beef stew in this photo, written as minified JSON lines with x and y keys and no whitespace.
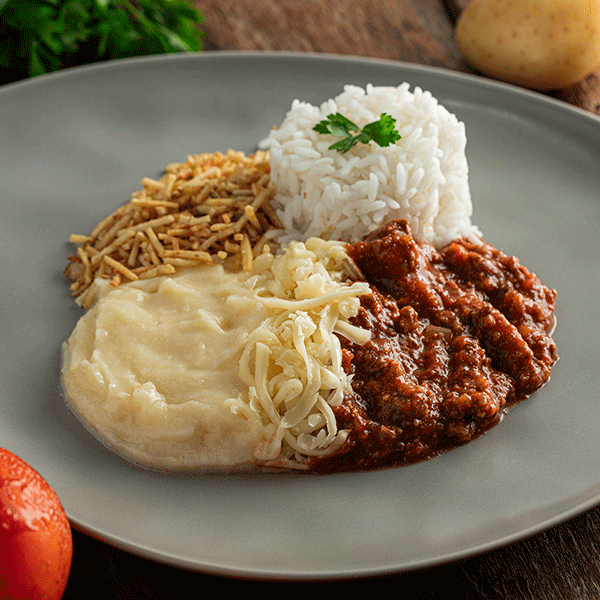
{"x":458,"y":337}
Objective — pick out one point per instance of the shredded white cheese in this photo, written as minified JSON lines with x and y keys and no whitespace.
{"x":292,"y":363}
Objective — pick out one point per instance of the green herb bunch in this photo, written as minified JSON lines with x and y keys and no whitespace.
{"x":41,"y":36}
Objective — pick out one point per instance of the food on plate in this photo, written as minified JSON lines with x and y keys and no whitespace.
{"x":36,"y":545}
{"x":209,"y":368}
{"x":346,"y":313}
{"x":458,"y":337}
{"x":423,"y":177}
{"x":211,"y":206}
{"x":538,"y":44}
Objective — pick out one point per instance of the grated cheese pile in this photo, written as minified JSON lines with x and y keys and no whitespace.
{"x":292,"y":363}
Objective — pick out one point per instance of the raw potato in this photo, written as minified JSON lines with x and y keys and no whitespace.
{"x":539,"y":44}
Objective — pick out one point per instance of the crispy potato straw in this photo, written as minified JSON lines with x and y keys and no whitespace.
{"x":213,"y":207}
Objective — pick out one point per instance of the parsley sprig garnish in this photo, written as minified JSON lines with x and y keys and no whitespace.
{"x":383,"y":131}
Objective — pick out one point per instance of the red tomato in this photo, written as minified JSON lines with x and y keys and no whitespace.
{"x":36,"y":546}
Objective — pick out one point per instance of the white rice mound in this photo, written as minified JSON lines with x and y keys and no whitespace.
{"x":422,"y":178}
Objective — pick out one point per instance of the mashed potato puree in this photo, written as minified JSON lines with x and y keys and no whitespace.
{"x":149,"y":367}
{"x":212,"y":369}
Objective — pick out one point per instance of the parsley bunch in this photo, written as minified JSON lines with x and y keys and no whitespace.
{"x":382,"y":131}
{"x":40,"y":36}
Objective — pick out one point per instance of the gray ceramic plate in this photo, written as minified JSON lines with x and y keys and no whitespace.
{"x":74,"y":145}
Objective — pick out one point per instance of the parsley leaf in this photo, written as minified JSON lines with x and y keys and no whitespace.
{"x":383,"y":131}
{"x":337,"y":125}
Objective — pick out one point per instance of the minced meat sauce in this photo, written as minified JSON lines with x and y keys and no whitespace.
{"x":458,"y":337}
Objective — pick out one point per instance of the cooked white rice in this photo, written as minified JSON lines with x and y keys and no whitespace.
{"x":422,"y":178}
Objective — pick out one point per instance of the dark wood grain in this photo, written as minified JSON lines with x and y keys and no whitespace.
{"x":562,"y":563}
{"x":585,"y":94}
{"x":417,"y":31}
{"x":408,"y":30}
{"x":455,"y":7}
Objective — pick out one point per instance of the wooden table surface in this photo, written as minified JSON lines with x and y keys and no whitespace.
{"x":562,"y":563}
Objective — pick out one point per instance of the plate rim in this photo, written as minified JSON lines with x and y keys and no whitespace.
{"x":207,"y":55}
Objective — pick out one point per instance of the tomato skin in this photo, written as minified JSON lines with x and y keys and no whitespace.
{"x":36,"y":546}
